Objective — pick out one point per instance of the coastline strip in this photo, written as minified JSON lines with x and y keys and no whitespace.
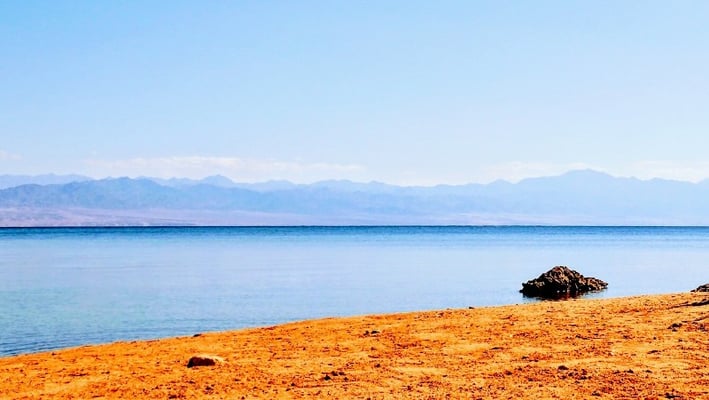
{"x":636,"y":347}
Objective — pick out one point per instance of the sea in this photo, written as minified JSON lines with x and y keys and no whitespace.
{"x":65,"y":287}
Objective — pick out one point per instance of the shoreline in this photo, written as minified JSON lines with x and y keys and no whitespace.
{"x":652,"y":346}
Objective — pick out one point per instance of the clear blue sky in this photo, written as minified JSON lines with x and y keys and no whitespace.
{"x":399,"y":91}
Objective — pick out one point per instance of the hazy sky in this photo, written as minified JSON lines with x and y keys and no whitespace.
{"x":402,"y":92}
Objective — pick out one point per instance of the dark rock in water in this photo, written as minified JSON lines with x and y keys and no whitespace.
{"x":560,"y":282}
{"x":703,"y":288}
{"x":204,"y":360}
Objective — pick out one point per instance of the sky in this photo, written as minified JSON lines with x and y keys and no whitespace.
{"x":402,"y":92}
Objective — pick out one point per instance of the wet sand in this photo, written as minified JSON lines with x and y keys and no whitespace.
{"x":647,"y":347}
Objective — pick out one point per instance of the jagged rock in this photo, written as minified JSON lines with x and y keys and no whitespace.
{"x":560,"y":282}
{"x":204,"y":360}
{"x":703,"y":288}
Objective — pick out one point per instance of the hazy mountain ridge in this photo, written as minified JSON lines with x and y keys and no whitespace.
{"x":8,"y":181}
{"x":578,"y":197}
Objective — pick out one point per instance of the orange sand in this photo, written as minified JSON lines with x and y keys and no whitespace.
{"x":652,"y":347}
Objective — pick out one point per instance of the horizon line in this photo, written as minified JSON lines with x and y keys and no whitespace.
{"x":346,"y":180}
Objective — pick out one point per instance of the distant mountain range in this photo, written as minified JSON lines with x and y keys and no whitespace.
{"x":575,"y":198}
{"x":8,"y":181}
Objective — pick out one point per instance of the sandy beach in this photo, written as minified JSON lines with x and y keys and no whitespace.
{"x":647,"y":347}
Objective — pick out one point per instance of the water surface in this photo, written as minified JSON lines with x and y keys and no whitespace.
{"x":70,"y":286}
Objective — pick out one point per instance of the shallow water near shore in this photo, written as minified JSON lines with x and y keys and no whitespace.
{"x":64,"y":287}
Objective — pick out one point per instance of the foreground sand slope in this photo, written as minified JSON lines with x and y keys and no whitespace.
{"x":641,"y":347}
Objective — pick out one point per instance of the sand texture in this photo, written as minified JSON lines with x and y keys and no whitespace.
{"x":648,"y":347}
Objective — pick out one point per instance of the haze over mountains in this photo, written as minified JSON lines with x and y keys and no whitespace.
{"x":575,"y":198}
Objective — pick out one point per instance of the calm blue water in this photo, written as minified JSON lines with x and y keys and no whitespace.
{"x":67,"y":287}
